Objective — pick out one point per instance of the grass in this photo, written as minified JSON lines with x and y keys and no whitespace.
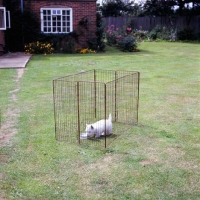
{"x":158,"y":159}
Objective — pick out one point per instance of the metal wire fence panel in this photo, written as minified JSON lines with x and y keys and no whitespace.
{"x":65,"y":110}
{"x":86,"y":98}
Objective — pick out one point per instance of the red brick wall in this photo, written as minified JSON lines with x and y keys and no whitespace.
{"x":80,"y":9}
{"x":1,"y":32}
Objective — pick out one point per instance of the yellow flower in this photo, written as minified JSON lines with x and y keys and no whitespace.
{"x":83,"y":51}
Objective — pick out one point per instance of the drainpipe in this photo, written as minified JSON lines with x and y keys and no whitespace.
{"x":22,"y":11}
{"x":22,"y":6}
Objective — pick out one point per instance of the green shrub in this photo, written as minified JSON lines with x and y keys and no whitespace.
{"x":140,"y":34}
{"x":111,"y":35}
{"x":97,"y":43}
{"x":128,"y":43}
{"x":162,"y":33}
{"x":186,"y":34}
{"x":124,"y":40}
{"x":68,"y":47}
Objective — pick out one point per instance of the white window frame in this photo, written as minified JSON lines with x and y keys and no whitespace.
{"x":3,"y":11}
{"x":56,"y":20}
{"x":8,"y":19}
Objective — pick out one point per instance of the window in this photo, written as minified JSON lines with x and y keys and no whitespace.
{"x":2,"y":18}
{"x":56,"y":20}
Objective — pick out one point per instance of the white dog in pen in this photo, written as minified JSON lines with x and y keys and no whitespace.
{"x":98,"y":128}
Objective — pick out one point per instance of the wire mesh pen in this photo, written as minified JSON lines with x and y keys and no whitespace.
{"x":89,"y":96}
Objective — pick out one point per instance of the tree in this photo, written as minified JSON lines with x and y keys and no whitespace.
{"x":167,"y":7}
{"x":118,"y":8}
{"x":158,"y":8}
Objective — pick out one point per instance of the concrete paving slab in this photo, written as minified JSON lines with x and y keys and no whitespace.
{"x":14,"y":60}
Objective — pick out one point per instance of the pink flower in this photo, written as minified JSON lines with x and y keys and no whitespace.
{"x":129,"y":29}
{"x":112,"y":26}
{"x":118,"y":37}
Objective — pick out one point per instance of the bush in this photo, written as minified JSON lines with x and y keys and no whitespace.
{"x":111,"y":35}
{"x":85,"y":50}
{"x":68,"y":47}
{"x":98,"y":43}
{"x":95,"y":45}
{"x":140,"y":34}
{"x":162,"y":33}
{"x":124,"y":40}
{"x":128,"y":43}
{"x":186,"y":34}
{"x":38,"y":48}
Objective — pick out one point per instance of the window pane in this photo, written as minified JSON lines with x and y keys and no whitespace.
{"x":58,"y":29}
{"x":56,"y":20}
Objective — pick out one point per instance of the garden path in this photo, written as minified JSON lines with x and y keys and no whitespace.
{"x":8,"y":127}
{"x":14,"y":60}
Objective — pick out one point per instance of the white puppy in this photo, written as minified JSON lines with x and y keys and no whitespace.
{"x":98,"y":128}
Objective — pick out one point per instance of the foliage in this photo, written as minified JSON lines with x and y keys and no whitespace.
{"x":98,"y":43}
{"x":186,"y":34}
{"x":84,"y":22}
{"x":157,"y":8}
{"x":140,"y":34}
{"x":166,"y":8}
{"x":68,"y":46}
{"x":162,"y":33}
{"x":85,"y":51}
{"x":112,"y":34}
{"x":24,"y":29}
{"x":62,"y":43}
{"x":117,"y":8}
{"x":125,"y":40}
{"x":127,"y":43}
{"x":38,"y":48}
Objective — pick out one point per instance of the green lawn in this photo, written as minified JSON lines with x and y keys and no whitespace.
{"x":158,"y":159}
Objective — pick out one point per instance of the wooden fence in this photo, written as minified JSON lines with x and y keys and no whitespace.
{"x":148,"y":23}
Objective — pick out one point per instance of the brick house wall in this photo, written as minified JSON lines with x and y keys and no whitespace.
{"x":81,"y":8}
{"x":2,"y":42}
